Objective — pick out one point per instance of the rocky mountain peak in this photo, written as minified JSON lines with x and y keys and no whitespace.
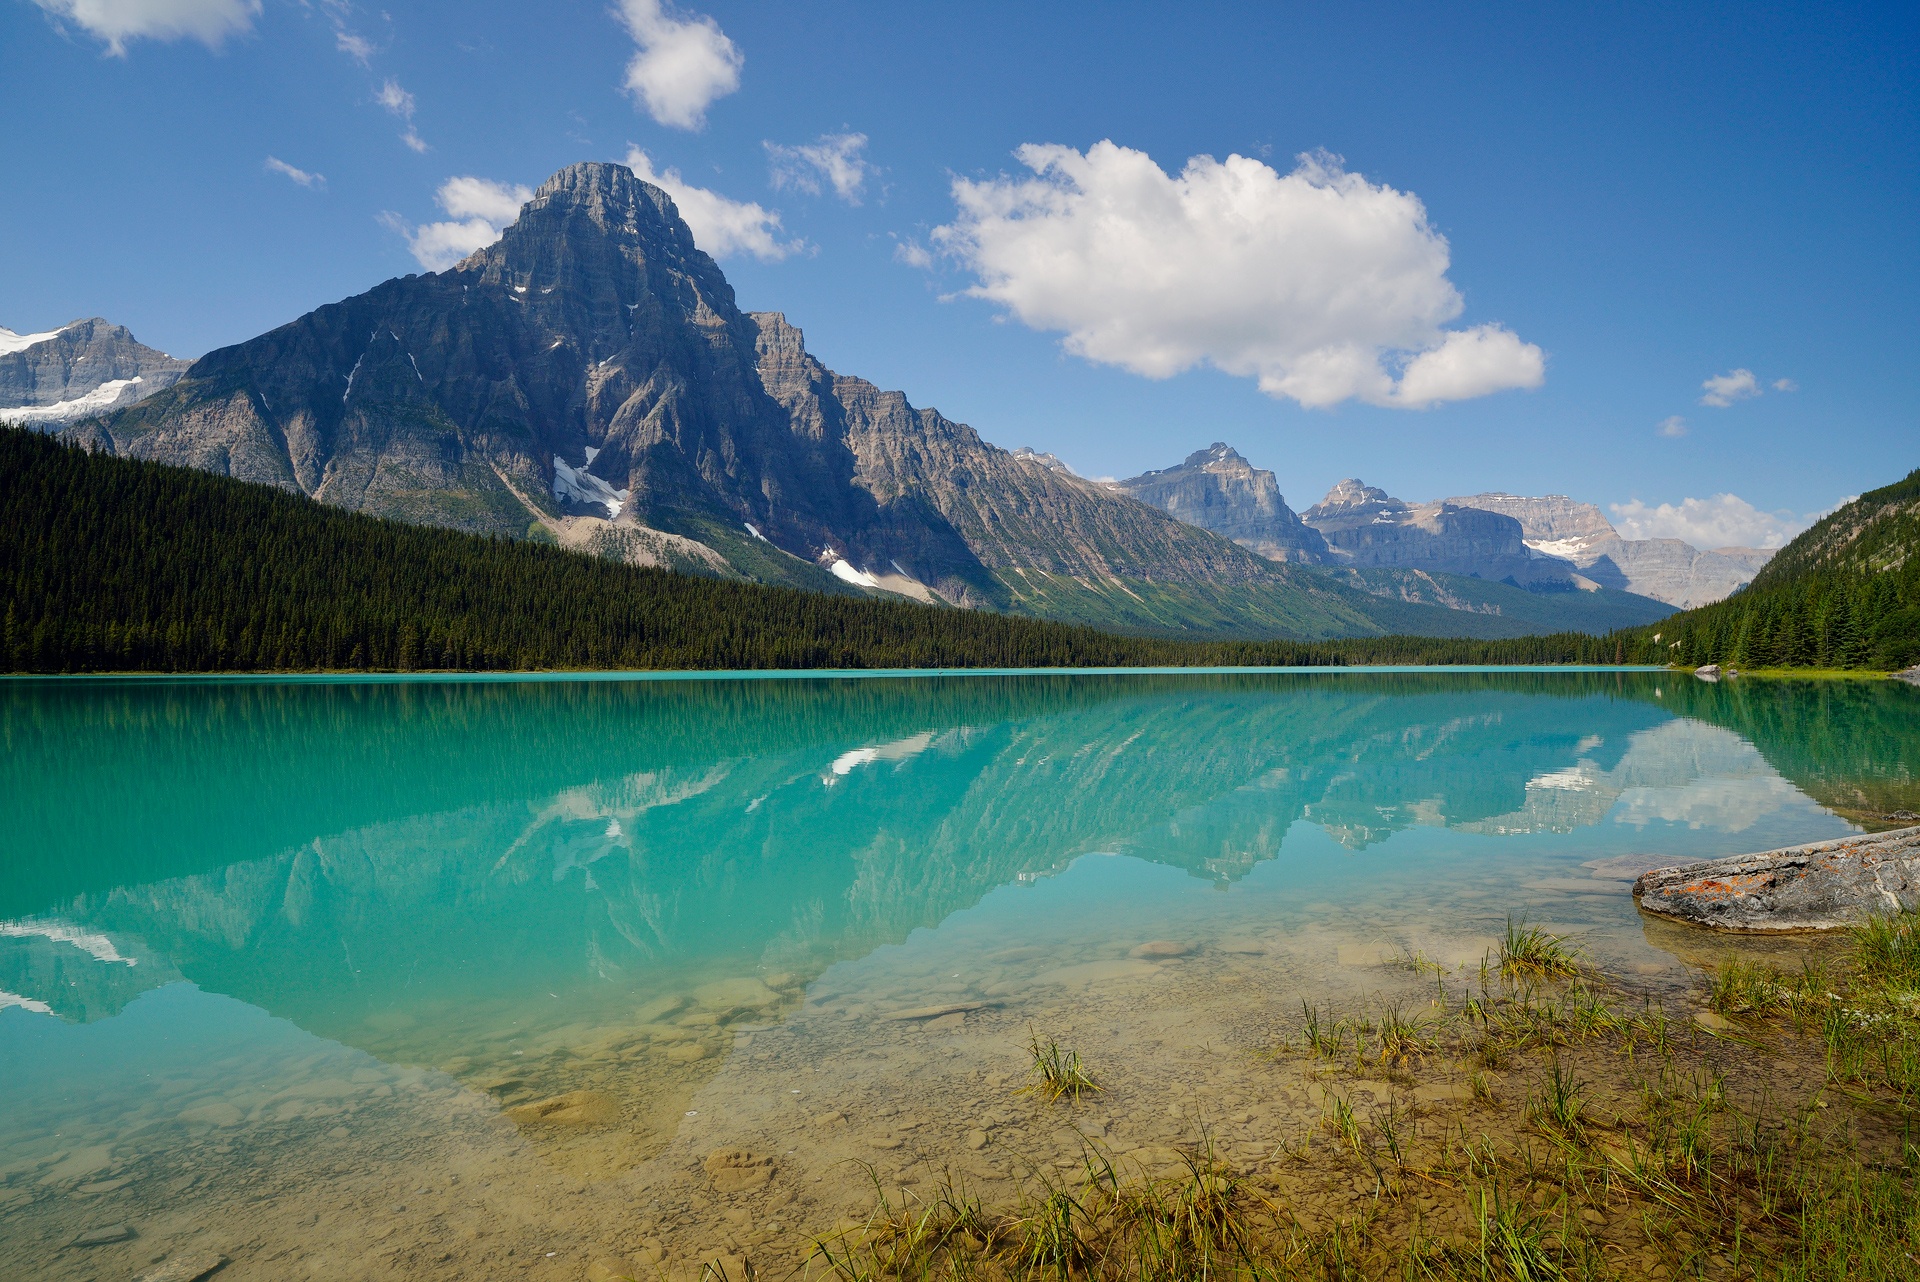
{"x":1052,"y":462}
{"x":1350,"y":498}
{"x":1220,"y":458}
{"x":612,"y":198}
{"x":83,"y":368}
{"x":1217,"y":489}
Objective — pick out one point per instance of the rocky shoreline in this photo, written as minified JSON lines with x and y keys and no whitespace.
{"x":1827,"y":885}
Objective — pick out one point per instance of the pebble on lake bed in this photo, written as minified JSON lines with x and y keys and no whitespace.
{"x":1157,"y":948}
{"x":190,"y":1267}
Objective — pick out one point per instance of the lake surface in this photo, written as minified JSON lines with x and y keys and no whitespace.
{"x":506,"y":978}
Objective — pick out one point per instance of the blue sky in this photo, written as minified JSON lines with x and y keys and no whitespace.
{"x":1524,"y":241}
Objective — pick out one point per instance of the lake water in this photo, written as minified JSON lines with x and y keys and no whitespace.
{"x":411,"y":979}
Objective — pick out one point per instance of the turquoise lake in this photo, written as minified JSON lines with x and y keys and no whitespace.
{"x":448,"y":978}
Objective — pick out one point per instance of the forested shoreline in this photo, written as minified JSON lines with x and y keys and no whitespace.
{"x":114,"y":565}
{"x":1844,"y":594}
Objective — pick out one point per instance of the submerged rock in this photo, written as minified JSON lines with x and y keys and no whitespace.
{"x":104,"y":1235}
{"x":1822,"y":886}
{"x":190,"y":1267}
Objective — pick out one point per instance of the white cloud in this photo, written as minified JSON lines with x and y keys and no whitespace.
{"x":395,"y":99}
{"x":684,"y":63}
{"x":359,"y":48}
{"x":1723,"y":390}
{"x":275,"y":165}
{"x":118,"y":21}
{"x":480,"y":207}
{"x":912,"y":253}
{"x":496,"y":203}
{"x":834,"y":159}
{"x":1321,"y":285}
{"x":400,"y":103}
{"x":1725,"y":520}
{"x":720,"y":226}
{"x":1785,"y":385}
{"x":1673,"y":425}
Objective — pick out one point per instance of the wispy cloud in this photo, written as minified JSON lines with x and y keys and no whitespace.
{"x":357,"y":47}
{"x":834,"y":159}
{"x":1785,"y":385}
{"x":118,"y":21}
{"x":479,"y":207}
{"x":395,"y":99}
{"x":275,"y":165}
{"x":721,"y":226}
{"x":1723,"y":390}
{"x":912,"y":253}
{"x":1320,"y":285}
{"x":683,"y":64}
{"x":399,"y":102}
{"x":1673,"y":425}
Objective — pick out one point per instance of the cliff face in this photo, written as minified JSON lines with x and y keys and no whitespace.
{"x":1367,"y":527}
{"x":1667,"y":570}
{"x":1216,"y":489}
{"x":85,"y":367}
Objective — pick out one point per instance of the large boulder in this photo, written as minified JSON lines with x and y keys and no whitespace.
{"x":1824,"y":886}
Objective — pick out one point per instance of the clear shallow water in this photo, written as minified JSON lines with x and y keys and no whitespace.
{"x":432,"y":979}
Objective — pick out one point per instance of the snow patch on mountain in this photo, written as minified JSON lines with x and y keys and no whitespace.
{"x":99,"y":400}
{"x":578,"y":485}
{"x":11,"y":342}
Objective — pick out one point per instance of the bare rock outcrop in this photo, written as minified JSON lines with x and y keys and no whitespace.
{"x":1217,"y":489}
{"x":1823,"y":886}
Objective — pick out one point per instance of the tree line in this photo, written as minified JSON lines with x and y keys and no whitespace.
{"x":1844,"y":594}
{"x":110,"y":564}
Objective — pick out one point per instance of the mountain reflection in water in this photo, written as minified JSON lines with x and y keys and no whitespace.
{"x":356,"y":856}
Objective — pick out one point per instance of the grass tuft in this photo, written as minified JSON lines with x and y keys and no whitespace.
{"x":1060,"y":1071}
{"x":1528,"y":952}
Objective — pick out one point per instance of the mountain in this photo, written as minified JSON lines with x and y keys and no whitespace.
{"x":1665,"y":569}
{"x":589,"y":380}
{"x":1216,"y":489}
{"x":1365,"y":526}
{"x":1844,"y":594}
{"x":85,"y":367}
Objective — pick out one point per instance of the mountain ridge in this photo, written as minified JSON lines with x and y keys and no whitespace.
{"x":589,"y":380}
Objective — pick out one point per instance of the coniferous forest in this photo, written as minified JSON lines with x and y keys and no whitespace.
{"x":113,"y":565}
{"x":108,"y":565}
{"x":1844,"y":594}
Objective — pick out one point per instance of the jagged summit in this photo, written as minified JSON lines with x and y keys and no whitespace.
{"x":1350,"y":496}
{"x":85,"y":367}
{"x":1217,"y":489}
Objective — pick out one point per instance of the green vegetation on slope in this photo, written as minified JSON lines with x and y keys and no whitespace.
{"x":108,"y":564}
{"x":1845,"y":594}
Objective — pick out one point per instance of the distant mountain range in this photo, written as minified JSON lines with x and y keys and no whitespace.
{"x":1666,"y":569}
{"x":85,"y":367}
{"x":589,"y":380}
{"x":1550,"y":544}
